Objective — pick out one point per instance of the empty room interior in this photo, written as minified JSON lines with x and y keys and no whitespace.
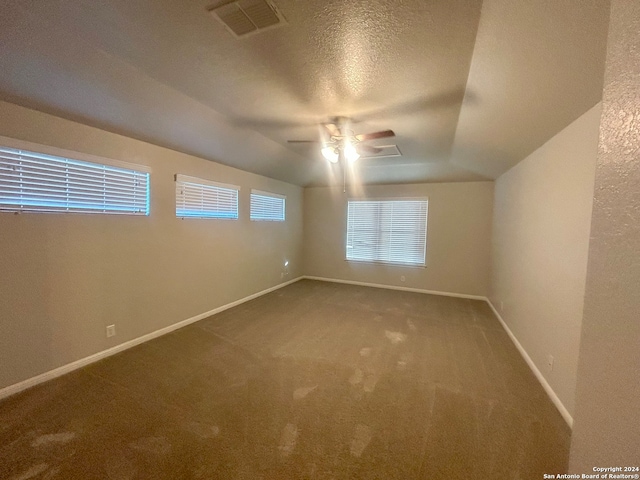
{"x":284,"y":239}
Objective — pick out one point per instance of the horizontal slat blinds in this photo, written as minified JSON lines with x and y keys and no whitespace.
{"x":389,"y":231}
{"x":267,"y":206}
{"x":36,"y":182}
{"x":197,"y":198}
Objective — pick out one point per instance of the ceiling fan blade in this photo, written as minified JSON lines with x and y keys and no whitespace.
{"x":374,"y":135}
{"x":302,"y":141}
{"x":367,"y":149}
{"x":333,"y":130}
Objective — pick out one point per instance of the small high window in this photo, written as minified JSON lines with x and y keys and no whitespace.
{"x":267,"y":206}
{"x":37,"y":182}
{"x":198,"y":198}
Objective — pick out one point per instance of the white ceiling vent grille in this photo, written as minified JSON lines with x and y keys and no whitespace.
{"x":247,"y":17}
{"x":386,"y":151}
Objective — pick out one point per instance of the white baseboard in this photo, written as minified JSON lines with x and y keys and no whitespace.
{"x":57,"y":372}
{"x":33,"y":381}
{"x":547,"y":388}
{"x":393,"y":287}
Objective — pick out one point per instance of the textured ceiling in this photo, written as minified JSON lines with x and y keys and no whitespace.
{"x":469,"y":87}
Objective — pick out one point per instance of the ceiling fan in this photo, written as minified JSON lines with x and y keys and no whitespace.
{"x":338,"y":141}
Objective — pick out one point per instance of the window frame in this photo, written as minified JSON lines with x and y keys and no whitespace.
{"x":206,"y":185}
{"x":262,"y":193}
{"x":386,"y":262}
{"x":78,"y":158}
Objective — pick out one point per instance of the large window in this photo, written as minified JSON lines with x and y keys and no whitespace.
{"x":389,"y":231}
{"x":198,"y":198}
{"x":267,"y":206}
{"x":38,"y":182}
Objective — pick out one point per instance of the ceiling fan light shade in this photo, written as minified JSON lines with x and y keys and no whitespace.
{"x":330,"y":154}
{"x":350,"y":153}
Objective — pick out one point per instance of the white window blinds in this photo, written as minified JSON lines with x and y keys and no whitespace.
{"x":36,"y":182}
{"x":267,"y":206}
{"x":389,"y":231}
{"x":198,"y":198}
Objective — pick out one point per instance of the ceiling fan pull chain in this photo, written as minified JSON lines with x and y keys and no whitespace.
{"x":344,"y":177}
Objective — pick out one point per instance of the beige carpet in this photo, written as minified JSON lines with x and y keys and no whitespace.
{"x":313,"y":381}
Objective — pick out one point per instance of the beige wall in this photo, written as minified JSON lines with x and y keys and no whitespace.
{"x":65,"y":277}
{"x":606,"y":432}
{"x":458,"y":237}
{"x":542,"y":215}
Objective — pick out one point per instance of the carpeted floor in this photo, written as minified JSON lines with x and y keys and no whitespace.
{"x":313,"y":381}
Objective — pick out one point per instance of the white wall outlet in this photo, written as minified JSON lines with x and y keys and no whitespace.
{"x":285,"y":269}
{"x":111,"y":331}
{"x":550,"y":361}
{"x":402,"y":279}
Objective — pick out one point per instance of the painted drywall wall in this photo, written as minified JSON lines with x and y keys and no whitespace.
{"x":66,"y":277}
{"x":542,"y":216}
{"x":458,"y":237}
{"x":606,"y":432}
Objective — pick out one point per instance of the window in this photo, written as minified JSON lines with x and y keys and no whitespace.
{"x":267,"y":206}
{"x":389,"y":231}
{"x":38,"y":182}
{"x":198,"y":198}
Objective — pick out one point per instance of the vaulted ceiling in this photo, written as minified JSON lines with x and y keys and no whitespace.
{"x":469,"y":87}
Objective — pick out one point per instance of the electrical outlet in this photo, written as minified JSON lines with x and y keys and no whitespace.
{"x":111,"y":331}
{"x":281,"y":274}
{"x":402,"y":279}
{"x":550,"y":360}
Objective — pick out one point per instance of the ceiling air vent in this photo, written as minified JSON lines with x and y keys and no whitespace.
{"x":246,"y":17}
{"x":385,"y":151}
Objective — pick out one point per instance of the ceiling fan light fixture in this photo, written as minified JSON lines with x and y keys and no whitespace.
{"x":331,"y":154}
{"x":350,"y":153}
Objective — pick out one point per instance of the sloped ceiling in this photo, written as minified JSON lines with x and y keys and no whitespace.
{"x":469,"y":87}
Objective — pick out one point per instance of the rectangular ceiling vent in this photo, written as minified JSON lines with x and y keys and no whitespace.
{"x":247,"y":17}
{"x":386,"y":151}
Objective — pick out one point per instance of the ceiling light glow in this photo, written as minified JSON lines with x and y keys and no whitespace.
{"x":330,"y":154}
{"x":350,"y":153}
